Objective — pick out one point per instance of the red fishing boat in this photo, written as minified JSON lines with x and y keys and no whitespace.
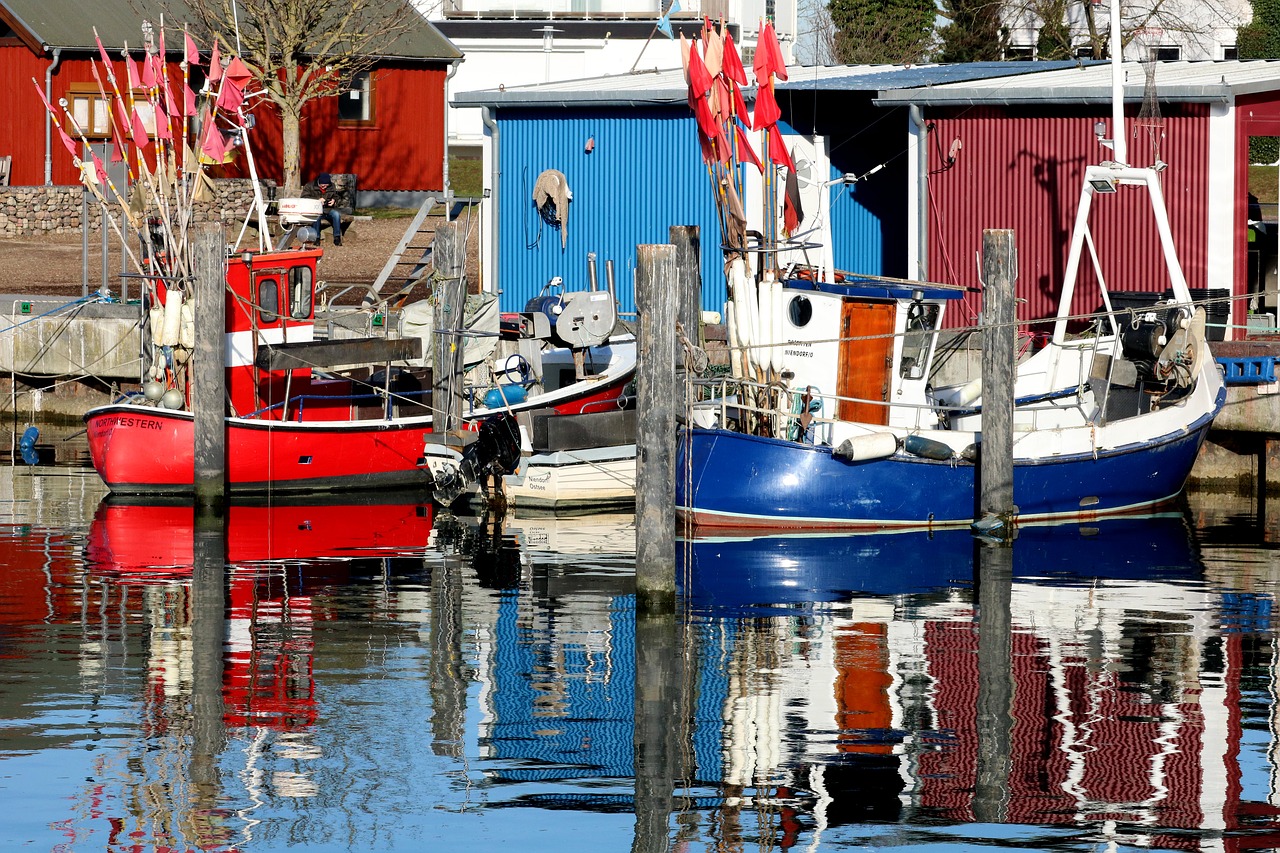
{"x":296,"y":424}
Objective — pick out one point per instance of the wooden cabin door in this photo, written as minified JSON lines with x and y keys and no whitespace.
{"x":865,"y":366}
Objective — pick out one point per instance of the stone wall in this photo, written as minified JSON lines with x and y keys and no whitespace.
{"x":37,"y":211}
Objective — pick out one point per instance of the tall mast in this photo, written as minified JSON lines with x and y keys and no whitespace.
{"x":1118,"y":140}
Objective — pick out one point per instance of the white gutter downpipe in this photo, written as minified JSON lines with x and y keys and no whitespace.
{"x":453,"y":69}
{"x":493,"y":282}
{"x":48,"y":119}
{"x":921,"y":134}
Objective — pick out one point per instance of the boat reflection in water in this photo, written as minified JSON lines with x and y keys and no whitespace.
{"x":275,"y":555}
{"x":852,"y":678}
{"x":723,"y":573}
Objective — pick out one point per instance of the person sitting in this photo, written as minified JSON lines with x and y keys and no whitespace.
{"x":324,"y":189}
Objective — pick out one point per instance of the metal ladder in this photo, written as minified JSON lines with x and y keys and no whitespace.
{"x":416,"y":242}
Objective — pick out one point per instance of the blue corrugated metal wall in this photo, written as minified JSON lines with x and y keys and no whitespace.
{"x":644,"y":175}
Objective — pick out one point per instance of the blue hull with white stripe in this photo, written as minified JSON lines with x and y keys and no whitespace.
{"x":728,"y":479}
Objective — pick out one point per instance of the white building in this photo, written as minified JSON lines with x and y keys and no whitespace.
{"x":1162,"y":29}
{"x":509,"y":43}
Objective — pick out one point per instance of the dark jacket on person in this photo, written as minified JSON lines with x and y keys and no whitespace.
{"x":330,"y":194}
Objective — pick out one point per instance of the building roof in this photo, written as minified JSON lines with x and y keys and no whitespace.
{"x":872,"y":78}
{"x":71,"y":23}
{"x":1209,"y":81}
{"x":668,"y":87}
{"x":1068,"y":81}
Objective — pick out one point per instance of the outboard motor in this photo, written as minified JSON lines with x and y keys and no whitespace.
{"x":495,"y":452}
{"x":578,"y":320}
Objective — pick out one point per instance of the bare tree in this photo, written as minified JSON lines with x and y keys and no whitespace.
{"x":300,"y":50}
{"x":1062,"y":28}
{"x":816,"y":34}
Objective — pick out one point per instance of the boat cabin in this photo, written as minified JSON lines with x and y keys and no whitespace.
{"x":869,"y":342}
{"x":276,"y":369}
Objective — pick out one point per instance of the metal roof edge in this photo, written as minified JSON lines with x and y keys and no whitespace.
{"x":1056,"y":95}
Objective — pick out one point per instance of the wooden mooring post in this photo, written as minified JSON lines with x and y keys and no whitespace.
{"x":656,"y":403}
{"x":449,"y":249}
{"x":994,"y":569}
{"x":996,"y":508}
{"x":208,"y":381}
{"x":688,"y":242}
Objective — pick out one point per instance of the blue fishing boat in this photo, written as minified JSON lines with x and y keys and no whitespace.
{"x":830,"y":418}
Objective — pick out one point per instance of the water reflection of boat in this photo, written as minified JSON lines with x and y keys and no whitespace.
{"x":799,"y":569}
{"x":155,"y":538}
{"x":268,"y":657}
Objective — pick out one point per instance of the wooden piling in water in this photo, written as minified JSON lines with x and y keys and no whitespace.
{"x":449,"y":249}
{"x":994,"y":565}
{"x":656,"y":403}
{"x":688,"y":242}
{"x":208,"y":369}
{"x":999,"y":274}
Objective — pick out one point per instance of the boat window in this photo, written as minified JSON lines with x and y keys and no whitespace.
{"x":268,"y":299}
{"x":800,"y":311}
{"x":921,"y":320}
{"x":300,"y":293}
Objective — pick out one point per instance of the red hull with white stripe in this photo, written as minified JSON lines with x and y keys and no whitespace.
{"x":320,"y":439}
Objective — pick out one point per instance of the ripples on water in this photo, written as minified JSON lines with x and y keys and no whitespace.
{"x":387,"y":678}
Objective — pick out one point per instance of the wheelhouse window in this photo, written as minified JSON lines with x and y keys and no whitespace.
{"x":268,"y":299}
{"x":300,"y":293}
{"x":356,"y":104}
{"x":922,"y":319}
{"x":1166,"y":53}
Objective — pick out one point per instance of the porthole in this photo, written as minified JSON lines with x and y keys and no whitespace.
{"x":800,"y":311}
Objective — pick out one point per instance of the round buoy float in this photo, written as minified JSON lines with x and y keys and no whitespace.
{"x":506,"y":395}
{"x":927,"y":448}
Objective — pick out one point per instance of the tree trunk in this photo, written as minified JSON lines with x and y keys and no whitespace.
{"x":289,"y":154}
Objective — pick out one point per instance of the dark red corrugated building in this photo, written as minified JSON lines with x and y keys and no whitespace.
{"x":389,"y":131}
{"x":1009,"y":152}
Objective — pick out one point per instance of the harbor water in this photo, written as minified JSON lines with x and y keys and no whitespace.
{"x":371,"y":674}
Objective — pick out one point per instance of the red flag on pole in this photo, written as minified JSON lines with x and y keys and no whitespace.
{"x":230,"y":96}
{"x":769,"y":42}
{"x":163,"y":130}
{"x":148,"y":71}
{"x":732,"y":61}
{"x":745,"y":151}
{"x":699,"y":79}
{"x":778,"y":149}
{"x":215,"y":64}
{"x":215,"y":144}
{"x":767,"y":111}
{"x":106,"y":60}
{"x":131,"y":72}
{"x":100,"y":170}
{"x":192,"y":52}
{"x":140,"y":137}
{"x":188,"y":101}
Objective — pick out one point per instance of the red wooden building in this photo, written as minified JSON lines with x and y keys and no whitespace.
{"x":389,"y":129}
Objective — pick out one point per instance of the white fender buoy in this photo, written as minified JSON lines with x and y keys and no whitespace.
{"x":860,"y":448}
{"x":187,"y":327}
{"x":777,"y":325}
{"x":970,"y":392}
{"x":765,"y":336}
{"x":171,"y":329}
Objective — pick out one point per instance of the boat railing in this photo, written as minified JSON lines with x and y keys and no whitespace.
{"x":740,"y":401}
{"x":297,"y":404}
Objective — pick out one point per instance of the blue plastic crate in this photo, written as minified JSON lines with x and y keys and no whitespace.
{"x":1255,"y":370}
